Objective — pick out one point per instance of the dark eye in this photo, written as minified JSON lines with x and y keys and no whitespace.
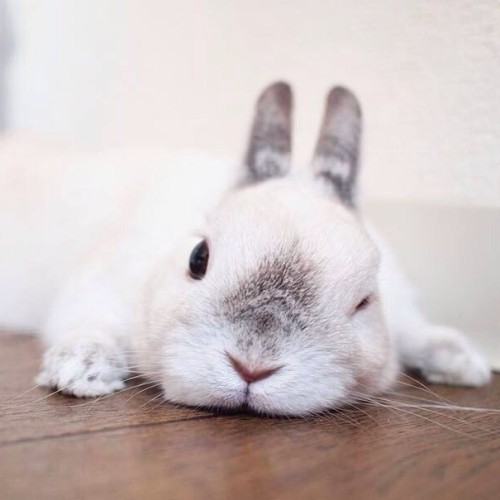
{"x":363,"y":304}
{"x":198,"y":260}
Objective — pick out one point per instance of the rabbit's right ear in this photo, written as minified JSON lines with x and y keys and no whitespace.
{"x":268,"y":153}
{"x":337,"y":150}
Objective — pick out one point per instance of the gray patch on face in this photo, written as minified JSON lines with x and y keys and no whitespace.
{"x":281,"y":294}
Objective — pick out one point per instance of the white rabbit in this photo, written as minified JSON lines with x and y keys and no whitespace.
{"x":266,"y":291}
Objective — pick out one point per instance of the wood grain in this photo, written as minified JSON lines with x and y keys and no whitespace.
{"x":131,"y":446}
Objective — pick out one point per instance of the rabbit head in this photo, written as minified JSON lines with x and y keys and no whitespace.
{"x":277,"y":307}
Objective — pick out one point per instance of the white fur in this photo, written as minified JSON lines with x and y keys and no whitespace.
{"x":107,"y":239}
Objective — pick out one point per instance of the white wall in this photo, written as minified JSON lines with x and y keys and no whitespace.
{"x":185,"y":74}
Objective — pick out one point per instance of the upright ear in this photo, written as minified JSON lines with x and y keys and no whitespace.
{"x":335,"y":160}
{"x":268,"y":153}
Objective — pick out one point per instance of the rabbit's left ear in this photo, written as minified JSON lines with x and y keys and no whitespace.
{"x":268,"y":153}
{"x":335,"y":160}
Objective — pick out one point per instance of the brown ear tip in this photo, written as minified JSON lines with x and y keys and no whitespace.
{"x":341,"y":96}
{"x":280,"y":92}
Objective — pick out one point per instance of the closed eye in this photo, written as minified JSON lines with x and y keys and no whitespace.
{"x":363,"y":304}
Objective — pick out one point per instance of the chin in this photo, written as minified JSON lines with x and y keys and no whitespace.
{"x":259,"y":402}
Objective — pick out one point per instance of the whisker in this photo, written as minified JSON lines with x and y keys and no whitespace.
{"x":36,"y":401}
{"x":20,"y":395}
{"x":422,"y":386}
{"x":429,"y":408}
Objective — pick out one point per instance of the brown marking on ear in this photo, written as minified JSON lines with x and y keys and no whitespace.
{"x":337,"y":150}
{"x":269,"y":148}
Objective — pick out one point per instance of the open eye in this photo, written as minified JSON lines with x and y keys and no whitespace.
{"x":363,"y":304}
{"x":198,"y":260}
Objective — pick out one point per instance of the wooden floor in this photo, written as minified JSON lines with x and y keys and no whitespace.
{"x":129,"y":446}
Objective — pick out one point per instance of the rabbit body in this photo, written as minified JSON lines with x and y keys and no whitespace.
{"x":299,"y":305}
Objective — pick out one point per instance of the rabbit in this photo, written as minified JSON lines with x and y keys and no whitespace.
{"x":259,"y":287}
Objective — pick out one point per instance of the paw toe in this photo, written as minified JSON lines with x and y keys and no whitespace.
{"x":452,"y":359}
{"x":83,"y":370}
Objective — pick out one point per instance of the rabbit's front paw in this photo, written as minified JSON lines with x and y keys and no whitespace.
{"x":449,"y":358}
{"x":83,"y":369}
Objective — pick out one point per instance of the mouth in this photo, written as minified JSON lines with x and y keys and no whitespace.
{"x":239,"y":404}
{"x":246,"y":410}
{"x":249,"y":405}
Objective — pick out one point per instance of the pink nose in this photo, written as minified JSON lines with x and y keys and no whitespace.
{"x":250,"y":375}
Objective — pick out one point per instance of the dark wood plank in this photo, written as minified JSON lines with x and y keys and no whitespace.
{"x":123,"y":448}
{"x":28,"y":412}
